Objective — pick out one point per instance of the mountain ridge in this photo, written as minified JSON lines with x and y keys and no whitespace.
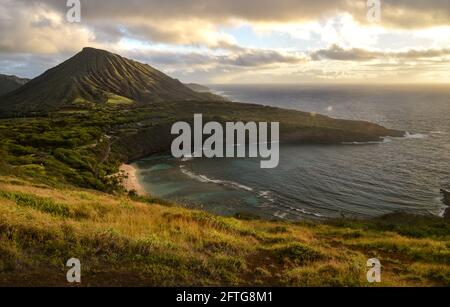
{"x":198,"y":87}
{"x":95,"y":76}
{"x":9,"y":83}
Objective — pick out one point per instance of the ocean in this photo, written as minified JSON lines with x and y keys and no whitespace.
{"x":324,"y":181}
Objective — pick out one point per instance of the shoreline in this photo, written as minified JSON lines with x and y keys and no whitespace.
{"x":131,"y":182}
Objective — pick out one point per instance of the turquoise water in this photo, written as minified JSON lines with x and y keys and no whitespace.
{"x":321,"y":181}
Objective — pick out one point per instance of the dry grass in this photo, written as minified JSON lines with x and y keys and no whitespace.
{"x":124,"y":242}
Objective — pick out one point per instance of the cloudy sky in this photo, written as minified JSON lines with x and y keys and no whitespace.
{"x":239,"y":41}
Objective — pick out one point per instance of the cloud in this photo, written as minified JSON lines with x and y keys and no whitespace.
{"x":217,"y":67}
{"x":421,"y":54}
{"x":198,"y":22}
{"x":407,"y":14}
{"x":217,"y":11}
{"x":338,"y":53}
{"x":34,"y":29}
{"x":243,"y":58}
{"x":204,"y":38}
{"x":252,"y":58}
{"x":399,"y":13}
{"x":27,"y":65}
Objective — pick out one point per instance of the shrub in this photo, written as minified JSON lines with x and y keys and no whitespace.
{"x":298,"y":253}
{"x":38,"y":203}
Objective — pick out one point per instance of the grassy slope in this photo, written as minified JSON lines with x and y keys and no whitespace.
{"x":127,"y":242}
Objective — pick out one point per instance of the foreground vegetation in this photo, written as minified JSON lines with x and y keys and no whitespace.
{"x":124,"y":241}
{"x":58,"y":200}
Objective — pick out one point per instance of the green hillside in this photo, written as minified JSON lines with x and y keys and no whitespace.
{"x":94,"y":77}
{"x":84,"y":147}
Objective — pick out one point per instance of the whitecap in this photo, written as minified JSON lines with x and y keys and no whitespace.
{"x":303,"y":211}
{"x":409,"y":135}
{"x":383,"y":141}
{"x":281,"y":215}
{"x":267,"y":195}
{"x":206,"y":179}
{"x":438,"y":132}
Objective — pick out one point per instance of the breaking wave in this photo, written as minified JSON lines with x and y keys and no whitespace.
{"x":206,"y":179}
{"x":409,"y":135}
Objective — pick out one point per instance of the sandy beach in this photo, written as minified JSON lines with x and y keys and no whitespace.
{"x":131,"y":182}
